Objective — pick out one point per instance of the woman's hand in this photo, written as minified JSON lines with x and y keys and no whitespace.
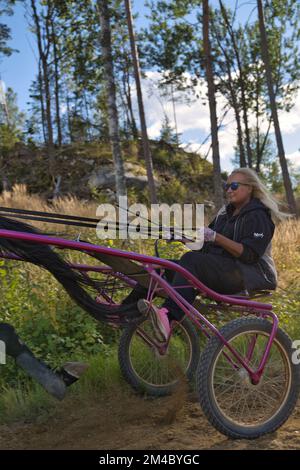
{"x":207,"y":234}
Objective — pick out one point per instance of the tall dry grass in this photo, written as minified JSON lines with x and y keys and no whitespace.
{"x":286,"y":252}
{"x":20,"y":199}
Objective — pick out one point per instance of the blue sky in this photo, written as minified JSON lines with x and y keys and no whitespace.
{"x":19,"y":70}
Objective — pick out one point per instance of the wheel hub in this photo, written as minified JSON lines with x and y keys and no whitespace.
{"x":246,"y":380}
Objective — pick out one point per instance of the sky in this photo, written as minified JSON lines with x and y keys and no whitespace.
{"x":18,"y":71}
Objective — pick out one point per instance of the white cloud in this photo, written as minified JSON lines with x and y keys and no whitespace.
{"x":290,"y":121}
{"x":294,"y":158}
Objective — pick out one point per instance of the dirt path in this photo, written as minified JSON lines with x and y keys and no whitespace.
{"x":126,"y":421}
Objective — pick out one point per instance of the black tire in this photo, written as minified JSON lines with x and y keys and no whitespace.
{"x":275,"y":397}
{"x":138,"y":360}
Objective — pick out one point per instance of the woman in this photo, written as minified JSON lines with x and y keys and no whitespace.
{"x":237,"y":249}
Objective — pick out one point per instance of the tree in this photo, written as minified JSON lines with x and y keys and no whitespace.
{"x":228,"y":84}
{"x":168,"y":133}
{"x":242,"y":80}
{"x":281,"y":153}
{"x":39,"y":16}
{"x":54,"y":39}
{"x":212,"y":104}
{"x":108,"y":67}
{"x":11,"y":123}
{"x":146,"y":146}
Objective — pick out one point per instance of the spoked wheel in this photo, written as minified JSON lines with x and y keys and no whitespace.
{"x":235,"y":406}
{"x":153,"y":370}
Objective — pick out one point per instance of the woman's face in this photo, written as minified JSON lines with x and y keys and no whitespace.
{"x":242,"y":194}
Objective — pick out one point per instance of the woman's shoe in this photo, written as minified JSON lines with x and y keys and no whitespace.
{"x":159,"y":319}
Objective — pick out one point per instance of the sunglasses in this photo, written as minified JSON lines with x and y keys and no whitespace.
{"x":234,"y":185}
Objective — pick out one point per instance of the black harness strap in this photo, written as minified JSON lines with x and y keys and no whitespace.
{"x":78,"y":221}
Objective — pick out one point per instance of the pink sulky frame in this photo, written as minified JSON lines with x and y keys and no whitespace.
{"x":151,"y":264}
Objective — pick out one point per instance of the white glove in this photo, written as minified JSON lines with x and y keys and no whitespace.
{"x":207,"y":234}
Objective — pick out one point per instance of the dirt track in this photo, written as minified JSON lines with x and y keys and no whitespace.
{"x":125,"y":421}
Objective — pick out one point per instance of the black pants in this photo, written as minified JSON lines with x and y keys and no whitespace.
{"x":215,"y":271}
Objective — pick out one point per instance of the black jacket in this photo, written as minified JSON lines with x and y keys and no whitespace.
{"x":254,"y":228}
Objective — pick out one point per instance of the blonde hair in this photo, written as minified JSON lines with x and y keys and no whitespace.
{"x":260,"y":191}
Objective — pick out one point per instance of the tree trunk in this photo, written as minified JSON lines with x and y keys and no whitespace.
{"x":88,"y":133}
{"x":57,"y":86}
{"x":41,"y":91}
{"x":235,"y":104}
{"x":258,"y":153}
{"x":127,"y":93}
{"x":212,"y":106}
{"x":243,"y":163}
{"x":105,"y":41}
{"x":146,"y":146}
{"x":69,"y":117}
{"x":242,"y":80}
{"x":174,"y":114}
{"x":281,"y":153}
{"x":43,"y":54}
{"x":246,"y":124}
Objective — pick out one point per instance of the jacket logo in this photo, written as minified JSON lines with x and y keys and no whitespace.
{"x":258,"y":235}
